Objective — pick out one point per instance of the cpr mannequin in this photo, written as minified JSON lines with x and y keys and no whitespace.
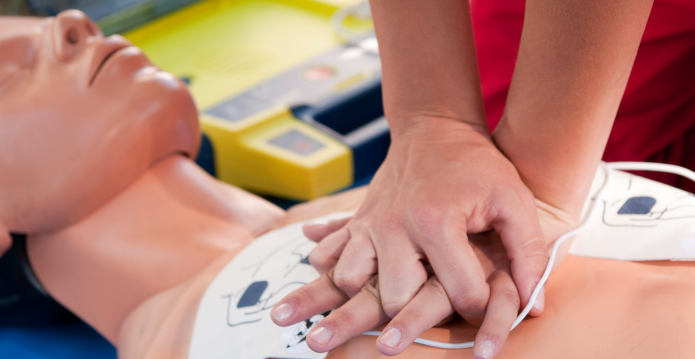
{"x":90,"y":131}
{"x":128,"y":233}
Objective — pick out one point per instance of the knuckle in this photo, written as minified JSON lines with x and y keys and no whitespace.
{"x":535,"y":249}
{"x":392,"y":309}
{"x":342,"y":318}
{"x":539,"y":257}
{"x":437,"y":288}
{"x":393,"y":305}
{"x":509,"y":296}
{"x":371,"y":292}
{"x":347,"y":282}
{"x":478,"y":221}
{"x":328,"y":282}
{"x":471,"y":302}
{"x":319,"y":260}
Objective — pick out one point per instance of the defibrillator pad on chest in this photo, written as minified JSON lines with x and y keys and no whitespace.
{"x":233,"y":319}
{"x":639,"y":220}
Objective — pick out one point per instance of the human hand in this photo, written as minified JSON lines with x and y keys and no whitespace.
{"x":441,"y":180}
{"x":363,"y":312}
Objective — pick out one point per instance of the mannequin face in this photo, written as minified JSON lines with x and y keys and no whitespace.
{"x":81,"y":118}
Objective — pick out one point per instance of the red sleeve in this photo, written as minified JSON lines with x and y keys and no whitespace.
{"x":656,"y":118}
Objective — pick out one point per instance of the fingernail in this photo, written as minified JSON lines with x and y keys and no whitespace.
{"x":540,"y":300}
{"x":391,"y":337}
{"x":321,"y":335}
{"x":282,"y":312}
{"x":485,"y":350}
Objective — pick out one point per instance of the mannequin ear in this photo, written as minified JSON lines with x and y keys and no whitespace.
{"x":5,"y":239}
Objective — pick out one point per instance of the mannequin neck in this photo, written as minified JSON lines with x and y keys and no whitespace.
{"x":172,"y":222}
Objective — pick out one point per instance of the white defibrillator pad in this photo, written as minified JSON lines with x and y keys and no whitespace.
{"x":638,"y":220}
{"x":233,"y":319}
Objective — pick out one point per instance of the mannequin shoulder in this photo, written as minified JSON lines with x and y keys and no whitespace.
{"x":162,"y":325}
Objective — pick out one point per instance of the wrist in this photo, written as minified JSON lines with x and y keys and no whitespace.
{"x":548,"y":174}
{"x":436,"y":128}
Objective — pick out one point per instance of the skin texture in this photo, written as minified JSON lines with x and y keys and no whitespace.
{"x":363,"y":311}
{"x":172,"y":222}
{"x":62,"y":124}
{"x":441,"y":180}
{"x":561,"y":106}
{"x":595,"y":309}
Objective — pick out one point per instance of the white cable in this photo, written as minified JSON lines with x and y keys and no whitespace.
{"x":633,"y":166}
{"x":360,"y":11}
{"x":654,"y":167}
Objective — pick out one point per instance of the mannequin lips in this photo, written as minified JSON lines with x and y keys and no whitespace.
{"x":104,"y":52}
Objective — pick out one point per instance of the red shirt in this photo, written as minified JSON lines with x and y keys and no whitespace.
{"x":656,"y":118}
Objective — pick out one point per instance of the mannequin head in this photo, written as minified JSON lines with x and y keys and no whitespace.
{"x":81,"y":118}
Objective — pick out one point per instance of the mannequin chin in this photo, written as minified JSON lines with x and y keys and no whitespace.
{"x":83,"y":117}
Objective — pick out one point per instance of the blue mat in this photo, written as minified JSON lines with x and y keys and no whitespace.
{"x":75,"y":340}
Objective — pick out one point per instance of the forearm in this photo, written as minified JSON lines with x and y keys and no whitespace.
{"x":429,"y":63}
{"x":573,"y":65}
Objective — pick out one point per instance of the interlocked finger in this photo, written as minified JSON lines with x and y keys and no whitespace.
{"x":357,"y":264}
{"x":328,"y":251}
{"x":501,"y":313}
{"x":360,"y":314}
{"x":429,"y":307}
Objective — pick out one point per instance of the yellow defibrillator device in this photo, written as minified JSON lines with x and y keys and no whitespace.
{"x":284,"y":104}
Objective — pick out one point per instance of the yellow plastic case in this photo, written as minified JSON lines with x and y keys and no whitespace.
{"x":224,"y":47}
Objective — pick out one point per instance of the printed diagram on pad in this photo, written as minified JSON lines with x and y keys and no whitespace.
{"x":637,"y":208}
{"x":639,"y":220}
{"x":264,"y":289}
{"x":233,"y":319}
{"x":293,"y":338}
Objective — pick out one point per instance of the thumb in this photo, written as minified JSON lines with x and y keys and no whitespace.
{"x":523,"y":239}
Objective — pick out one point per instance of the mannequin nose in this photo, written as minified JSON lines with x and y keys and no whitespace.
{"x":72,"y":30}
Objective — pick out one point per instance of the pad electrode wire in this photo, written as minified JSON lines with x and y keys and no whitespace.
{"x":630,"y":166}
{"x":360,"y":10}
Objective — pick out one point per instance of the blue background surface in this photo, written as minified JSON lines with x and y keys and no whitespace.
{"x":75,"y":340}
